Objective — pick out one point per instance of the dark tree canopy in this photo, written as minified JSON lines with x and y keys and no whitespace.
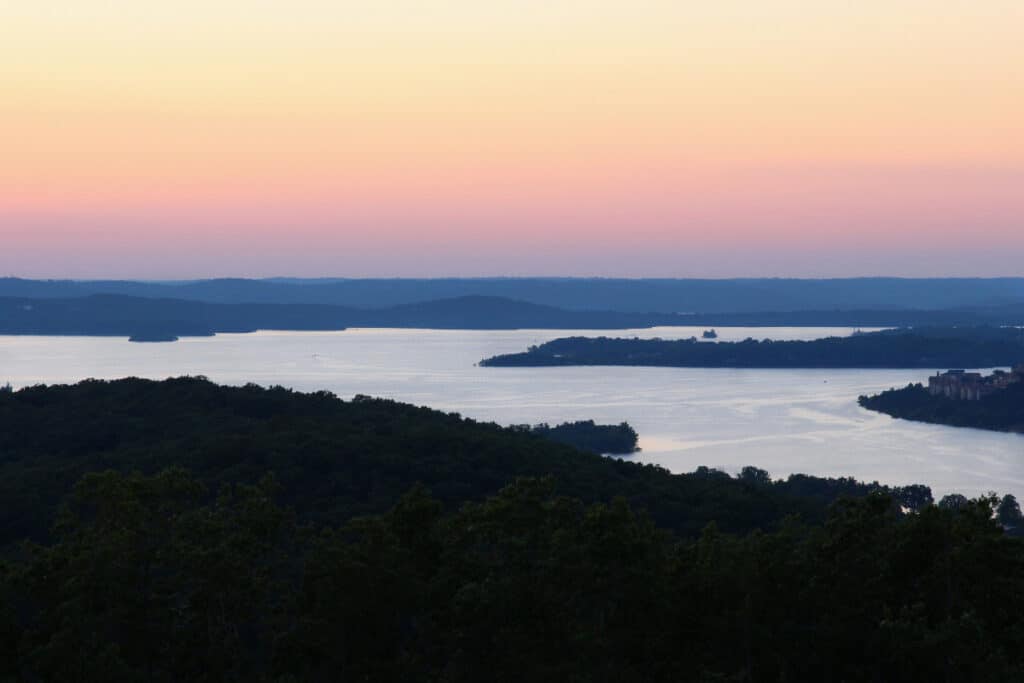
{"x":1008,"y":512}
{"x":336,"y":459}
{"x":206,"y":533}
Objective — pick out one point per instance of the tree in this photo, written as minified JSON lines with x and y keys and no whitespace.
{"x":913,"y":497}
{"x":953,"y":501}
{"x":1008,"y":512}
{"x":755,"y":475}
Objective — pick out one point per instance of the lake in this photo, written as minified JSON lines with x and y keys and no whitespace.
{"x":783,"y":421}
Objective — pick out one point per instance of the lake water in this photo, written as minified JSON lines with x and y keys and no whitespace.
{"x":783,"y":421}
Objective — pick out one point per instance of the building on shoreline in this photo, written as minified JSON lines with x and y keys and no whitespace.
{"x":961,"y":385}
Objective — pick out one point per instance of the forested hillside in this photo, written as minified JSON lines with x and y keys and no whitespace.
{"x":334,"y":459}
{"x":184,"y":531}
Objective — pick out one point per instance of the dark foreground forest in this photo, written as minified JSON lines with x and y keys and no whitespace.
{"x":182,"y":531}
{"x":1000,"y":411}
{"x":973,"y":347}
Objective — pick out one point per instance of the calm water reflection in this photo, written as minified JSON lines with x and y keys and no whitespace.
{"x":781,"y":420}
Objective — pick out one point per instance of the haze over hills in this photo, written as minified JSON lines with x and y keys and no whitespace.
{"x":118,"y":315}
{"x":164,"y":317}
{"x":626,"y":295}
{"x":121,"y":315}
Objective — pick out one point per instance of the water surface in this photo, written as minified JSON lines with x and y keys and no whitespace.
{"x":781,"y":420}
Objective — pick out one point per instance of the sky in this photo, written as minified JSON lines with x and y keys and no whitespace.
{"x":153,"y":139}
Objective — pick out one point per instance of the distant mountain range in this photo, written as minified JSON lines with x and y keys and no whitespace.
{"x":155,"y":310}
{"x":117,"y":315}
{"x":593,"y":294}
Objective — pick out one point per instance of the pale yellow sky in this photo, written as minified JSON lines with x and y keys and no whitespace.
{"x":463,"y":107}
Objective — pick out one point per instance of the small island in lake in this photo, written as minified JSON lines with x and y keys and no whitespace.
{"x":973,"y":347}
{"x":959,"y":399}
{"x":710,"y":334}
{"x":619,"y":439}
{"x":153,"y":337}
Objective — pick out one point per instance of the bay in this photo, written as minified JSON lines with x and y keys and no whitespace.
{"x":781,"y":420}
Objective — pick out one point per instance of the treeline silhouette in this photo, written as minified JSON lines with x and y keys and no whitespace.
{"x":248,"y":534}
{"x":1001,"y":411}
{"x":980,"y":347}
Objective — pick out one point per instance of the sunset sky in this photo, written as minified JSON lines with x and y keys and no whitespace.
{"x":194,"y":138}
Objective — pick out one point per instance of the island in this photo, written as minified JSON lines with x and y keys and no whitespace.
{"x":960,"y":399}
{"x":976,"y":347}
{"x":620,"y":439}
{"x":153,"y":337}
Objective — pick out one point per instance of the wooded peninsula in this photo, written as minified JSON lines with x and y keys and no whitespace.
{"x":978,"y":347}
{"x":1002,"y":410}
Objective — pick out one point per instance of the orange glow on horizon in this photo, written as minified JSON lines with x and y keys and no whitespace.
{"x":383,"y":125}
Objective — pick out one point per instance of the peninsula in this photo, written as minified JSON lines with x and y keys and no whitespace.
{"x":981,"y":347}
{"x":959,"y":399}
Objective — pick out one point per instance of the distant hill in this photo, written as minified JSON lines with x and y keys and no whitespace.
{"x":115,"y":315}
{"x":118,"y":315}
{"x":122,"y":315}
{"x":628,"y":295}
{"x":1007,"y":314}
{"x":491,"y":312}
